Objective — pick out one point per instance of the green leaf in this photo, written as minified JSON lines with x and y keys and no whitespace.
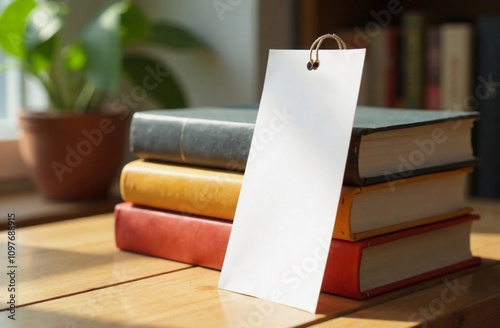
{"x":41,"y":33}
{"x":74,"y":57}
{"x":43,"y":23}
{"x":12,"y":24}
{"x":41,"y":59}
{"x":175,"y":37}
{"x":135,"y":26}
{"x":156,"y":79}
{"x":101,"y":42}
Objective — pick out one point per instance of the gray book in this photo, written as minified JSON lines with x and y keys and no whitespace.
{"x":386,"y":144}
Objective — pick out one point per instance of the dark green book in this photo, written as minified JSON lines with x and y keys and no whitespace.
{"x":486,"y":182}
{"x":413,"y":26}
{"x":386,"y":144}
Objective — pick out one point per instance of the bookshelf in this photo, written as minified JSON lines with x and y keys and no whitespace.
{"x":423,"y":54}
{"x":317,"y":17}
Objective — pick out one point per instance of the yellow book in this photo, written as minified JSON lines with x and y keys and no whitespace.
{"x":183,"y":189}
{"x":363,"y":212}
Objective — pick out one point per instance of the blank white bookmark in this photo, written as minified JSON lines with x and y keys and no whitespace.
{"x":288,"y":202}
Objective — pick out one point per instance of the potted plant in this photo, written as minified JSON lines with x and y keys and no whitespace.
{"x":74,"y":148}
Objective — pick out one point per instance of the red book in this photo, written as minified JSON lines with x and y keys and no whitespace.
{"x":354,"y":269}
{"x":432,"y":69}
{"x":392,"y":68}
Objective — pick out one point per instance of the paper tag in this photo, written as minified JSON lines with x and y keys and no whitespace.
{"x":288,"y":202}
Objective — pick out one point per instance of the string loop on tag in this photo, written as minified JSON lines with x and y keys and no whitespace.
{"x":314,"y":64}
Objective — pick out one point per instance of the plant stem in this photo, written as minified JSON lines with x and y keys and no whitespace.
{"x":84,"y":97}
{"x":69,"y":87}
{"x":78,"y":85}
{"x":44,"y":78}
{"x":61,"y":89}
{"x":51,"y":90}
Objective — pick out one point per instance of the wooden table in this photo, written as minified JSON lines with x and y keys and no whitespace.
{"x":70,"y":274}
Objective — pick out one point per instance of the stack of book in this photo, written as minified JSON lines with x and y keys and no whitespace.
{"x":401,"y":217}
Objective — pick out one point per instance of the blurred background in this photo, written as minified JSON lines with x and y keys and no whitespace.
{"x":429,"y":55}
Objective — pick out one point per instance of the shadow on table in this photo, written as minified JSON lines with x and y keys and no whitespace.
{"x":55,"y":261}
{"x":89,"y":315}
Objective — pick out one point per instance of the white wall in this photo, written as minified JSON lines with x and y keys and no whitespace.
{"x":227,"y":72}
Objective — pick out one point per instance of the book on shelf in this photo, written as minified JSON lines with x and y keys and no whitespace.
{"x":363,"y":212}
{"x":358,"y":269}
{"x":355,"y":40}
{"x":382,"y":64}
{"x":413,"y":49}
{"x":379,"y":81}
{"x":456,"y":65}
{"x":393,"y":96}
{"x":486,"y":181}
{"x":432,"y":68}
{"x":386,"y":144}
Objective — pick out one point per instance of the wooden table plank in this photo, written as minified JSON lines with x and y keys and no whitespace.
{"x":73,"y":256}
{"x":115,"y":288}
{"x":469,"y":301}
{"x":485,"y":237}
{"x":188,"y":298}
{"x":489,"y":210}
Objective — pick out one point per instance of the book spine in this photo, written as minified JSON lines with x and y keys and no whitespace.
{"x":456,"y":65}
{"x":351,"y":173}
{"x":400,"y":67}
{"x":208,"y":143}
{"x":171,"y":236}
{"x":486,"y":178}
{"x":379,"y":66}
{"x":432,"y":69}
{"x":156,"y":139}
{"x":182,"y":189}
{"x":342,"y":228}
{"x":342,"y":269}
{"x":413,"y":26}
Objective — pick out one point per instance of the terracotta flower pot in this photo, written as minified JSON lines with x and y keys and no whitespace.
{"x":72,"y":157}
